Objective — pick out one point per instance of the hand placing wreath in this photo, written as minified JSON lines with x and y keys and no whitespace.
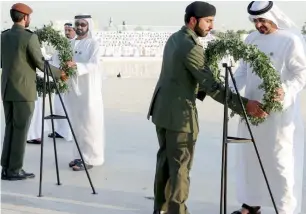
{"x":279,"y":95}
{"x":64,"y":76}
{"x":71,"y":64}
{"x":254,"y":109}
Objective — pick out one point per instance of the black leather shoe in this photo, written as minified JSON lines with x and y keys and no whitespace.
{"x":21,"y":175}
{"x":3,"y":174}
{"x":37,"y":142}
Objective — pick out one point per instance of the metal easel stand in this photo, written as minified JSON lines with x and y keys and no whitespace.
{"x":228,"y":140}
{"x":52,"y":117}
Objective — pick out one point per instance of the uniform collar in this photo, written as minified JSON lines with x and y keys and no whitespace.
{"x":17,"y":26}
{"x":192,"y":34}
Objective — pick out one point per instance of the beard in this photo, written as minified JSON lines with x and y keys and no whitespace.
{"x":69,"y":36}
{"x":27,"y":24}
{"x":199,"y":31}
{"x":262,"y":30}
{"x":81,"y":32}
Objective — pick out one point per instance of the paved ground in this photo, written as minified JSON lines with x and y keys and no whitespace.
{"x":124,"y":183}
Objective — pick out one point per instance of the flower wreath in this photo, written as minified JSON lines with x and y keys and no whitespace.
{"x":218,"y":49}
{"x":62,"y":45}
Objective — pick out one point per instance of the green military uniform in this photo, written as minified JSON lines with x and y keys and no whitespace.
{"x":20,"y":56}
{"x":173,"y":110}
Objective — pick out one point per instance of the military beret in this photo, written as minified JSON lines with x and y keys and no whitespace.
{"x":200,"y":9}
{"x":22,"y":8}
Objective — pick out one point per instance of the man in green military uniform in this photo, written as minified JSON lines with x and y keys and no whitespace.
{"x":20,"y":56}
{"x":173,"y":107}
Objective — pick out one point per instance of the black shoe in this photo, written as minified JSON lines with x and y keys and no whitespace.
{"x":252,"y":210}
{"x":37,"y":142}
{"x":3,"y":174}
{"x":74,"y":162}
{"x":56,"y":135}
{"x":21,"y":175}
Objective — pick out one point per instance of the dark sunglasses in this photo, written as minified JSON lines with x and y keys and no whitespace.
{"x":80,"y":24}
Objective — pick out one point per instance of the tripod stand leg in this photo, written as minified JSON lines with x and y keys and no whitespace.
{"x":52,"y":123}
{"x":223,"y":191}
{"x":253,"y":141}
{"x":42,"y":134}
{"x":73,"y":134}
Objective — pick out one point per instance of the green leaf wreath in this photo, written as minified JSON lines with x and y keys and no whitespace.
{"x":261,"y":64}
{"x":61,"y":44}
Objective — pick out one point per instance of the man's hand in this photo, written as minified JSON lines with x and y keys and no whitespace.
{"x":279,"y":95}
{"x":71,"y":64}
{"x":254,"y":109}
{"x":64,"y":77}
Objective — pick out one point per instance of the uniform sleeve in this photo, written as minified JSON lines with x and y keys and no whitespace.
{"x":93,"y":63}
{"x":194,"y":62}
{"x":201,"y":93}
{"x":1,"y":51}
{"x":295,"y":79}
{"x":36,"y":56}
{"x":0,"y":57}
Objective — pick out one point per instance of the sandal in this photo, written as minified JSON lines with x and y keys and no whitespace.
{"x":56,"y":135}
{"x":252,"y":210}
{"x":74,"y":162}
{"x":79,"y":166}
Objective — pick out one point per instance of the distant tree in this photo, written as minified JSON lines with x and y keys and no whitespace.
{"x":240,"y":32}
{"x":124,"y":26}
{"x":228,"y":34}
{"x":304,"y":29}
{"x":251,"y":31}
{"x":138,"y":28}
{"x":213,"y":32}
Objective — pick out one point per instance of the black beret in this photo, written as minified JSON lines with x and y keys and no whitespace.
{"x":200,"y":9}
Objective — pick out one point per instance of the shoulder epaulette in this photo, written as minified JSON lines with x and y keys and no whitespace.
{"x":5,"y":31}
{"x":29,"y":30}
{"x":196,"y":40}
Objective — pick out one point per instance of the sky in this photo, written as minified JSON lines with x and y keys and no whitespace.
{"x":230,"y":14}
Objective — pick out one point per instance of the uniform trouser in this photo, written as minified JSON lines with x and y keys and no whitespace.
{"x":174,"y":161}
{"x":18,"y":117}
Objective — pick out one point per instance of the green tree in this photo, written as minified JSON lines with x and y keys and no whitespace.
{"x":240,"y":32}
{"x":227,"y":34}
{"x":138,"y":28}
{"x":304,"y":29}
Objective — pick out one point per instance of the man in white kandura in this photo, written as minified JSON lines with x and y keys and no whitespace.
{"x":85,"y":100}
{"x":69,"y":31}
{"x":61,"y":127}
{"x":34,"y":133}
{"x":280,"y":139}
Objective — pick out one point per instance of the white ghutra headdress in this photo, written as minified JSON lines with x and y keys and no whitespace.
{"x":268,"y":10}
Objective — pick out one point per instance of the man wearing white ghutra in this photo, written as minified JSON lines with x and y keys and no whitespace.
{"x":61,"y":127}
{"x":280,"y":139}
{"x":85,"y":98}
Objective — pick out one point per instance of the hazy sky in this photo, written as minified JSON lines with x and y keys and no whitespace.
{"x":230,"y":14}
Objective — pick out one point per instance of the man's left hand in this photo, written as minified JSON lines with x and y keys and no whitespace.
{"x":71,"y":64}
{"x":279,"y":95}
{"x":64,"y":77}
